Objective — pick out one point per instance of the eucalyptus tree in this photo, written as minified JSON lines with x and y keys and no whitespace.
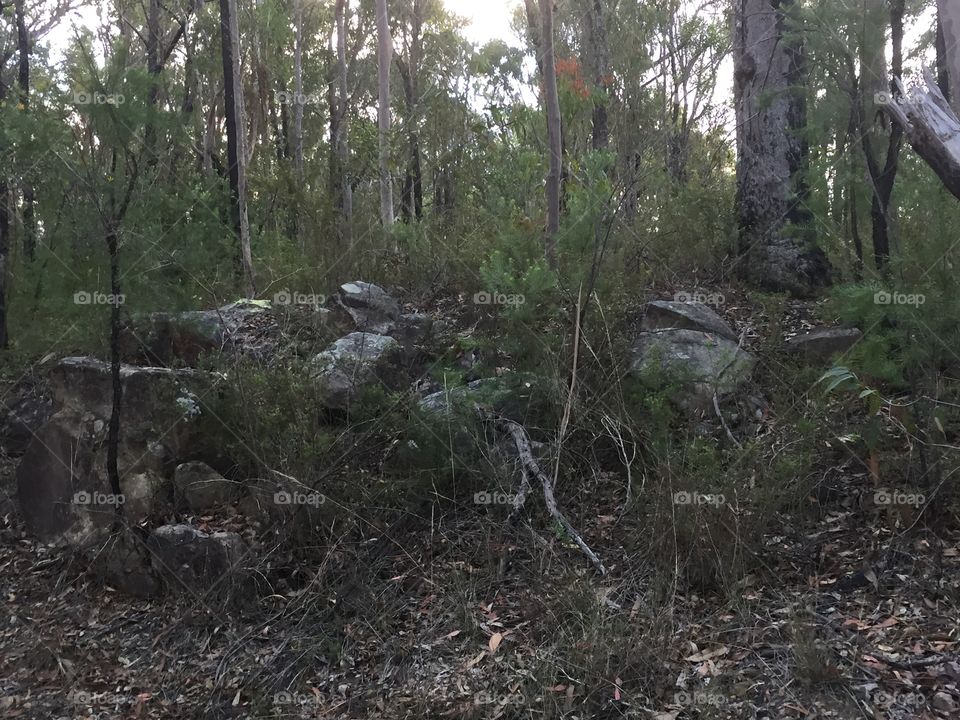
{"x":776,"y":244}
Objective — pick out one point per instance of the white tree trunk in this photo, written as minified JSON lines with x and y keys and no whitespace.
{"x":384,"y":58}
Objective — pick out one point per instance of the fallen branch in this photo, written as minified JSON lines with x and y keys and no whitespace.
{"x":530,"y":468}
{"x":931,"y":127}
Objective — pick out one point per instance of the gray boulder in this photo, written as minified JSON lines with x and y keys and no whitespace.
{"x":702,"y":363}
{"x":368,"y":307}
{"x":202,"y":488}
{"x":189,"y":559}
{"x":667,"y":314}
{"x":162,"y":338}
{"x":822,"y":344}
{"x":62,"y":484}
{"x":353,"y":364}
{"x":27,"y":407}
{"x":413,"y":330}
{"x":523,"y":397}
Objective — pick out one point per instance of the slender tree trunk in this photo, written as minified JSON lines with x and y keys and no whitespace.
{"x":236,"y":150}
{"x":113,"y":437}
{"x":153,"y":72}
{"x":598,"y":54}
{"x":554,"y":139}
{"x":411,"y":202}
{"x":776,"y":242}
{"x":384,"y":59}
{"x":882,"y":170}
{"x":298,"y":89}
{"x":23,"y":80}
{"x":4,"y":253}
{"x":340,"y":141}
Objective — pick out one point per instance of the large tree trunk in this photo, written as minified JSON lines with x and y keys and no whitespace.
{"x":554,"y":140}
{"x":23,"y":80}
{"x":236,"y":150}
{"x":776,"y":244}
{"x":384,"y":58}
{"x":948,"y":13}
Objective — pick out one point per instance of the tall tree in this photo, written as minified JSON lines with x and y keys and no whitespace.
{"x":551,"y":99}
{"x":298,"y":87}
{"x":874,"y":84}
{"x":411,"y":201}
{"x":236,"y":150}
{"x":384,"y":58}
{"x":775,"y":244}
{"x":598,"y":60}
{"x":340,"y":187}
{"x":23,"y":82}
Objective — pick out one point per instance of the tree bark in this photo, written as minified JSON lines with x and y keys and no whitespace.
{"x":554,"y":140}
{"x":236,"y":150}
{"x":411,"y":201}
{"x":882,"y":170}
{"x":384,"y":59}
{"x":343,"y":191}
{"x":4,"y":253}
{"x":932,"y":128}
{"x":298,"y":89}
{"x":948,"y":14}
{"x":776,"y":245}
{"x":598,"y":54}
{"x":23,"y":81}
{"x":943,"y":78}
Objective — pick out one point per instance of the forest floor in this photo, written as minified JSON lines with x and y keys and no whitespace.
{"x":844,"y":613}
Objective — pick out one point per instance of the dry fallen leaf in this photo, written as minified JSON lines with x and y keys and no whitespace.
{"x":495,"y":641}
{"x":708,"y":654}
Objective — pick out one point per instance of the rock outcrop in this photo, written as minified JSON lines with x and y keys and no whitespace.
{"x":690,"y":345}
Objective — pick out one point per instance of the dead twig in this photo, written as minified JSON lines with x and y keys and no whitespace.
{"x":531,"y":468}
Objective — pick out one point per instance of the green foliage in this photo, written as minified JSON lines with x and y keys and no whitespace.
{"x":907,"y":330}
